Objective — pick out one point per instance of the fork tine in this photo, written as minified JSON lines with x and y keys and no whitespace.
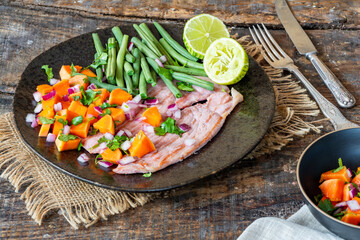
{"x":259,"y":44}
{"x":263,"y":43}
{"x":274,"y":51}
{"x":273,"y":41}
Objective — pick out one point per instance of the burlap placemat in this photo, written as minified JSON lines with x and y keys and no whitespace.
{"x":47,"y":189}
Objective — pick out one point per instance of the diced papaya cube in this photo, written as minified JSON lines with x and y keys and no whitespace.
{"x":152,"y":116}
{"x":65,"y":105}
{"x":105,"y":125}
{"x":77,"y":108}
{"x":57,"y":125}
{"x":333,"y":189}
{"x":63,"y":112}
{"x":342,"y":174}
{"x":102,"y":97}
{"x":80,"y":130}
{"x":51,"y":102}
{"x":72,"y":96}
{"x":112,"y":156}
{"x":119,"y":96}
{"x":141,"y":145}
{"x":351,"y":218}
{"x":346,"y":193}
{"x":69,"y":145}
{"x":80,"y":80}
{"x":88,"y":73}
{"x":44,"y":130}
{"x":356,"y":179}
{"x":44,"y":89}
{"x":61,"y":87}
{"x":65,"y":71}
{"x":47,"y":112}
{"x":117,"y":115}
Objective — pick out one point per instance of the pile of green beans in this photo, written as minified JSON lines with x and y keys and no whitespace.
{"x":132,"y":69}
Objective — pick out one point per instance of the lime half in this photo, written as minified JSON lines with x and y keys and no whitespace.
{"x":201,"y":31}
{"x":226,"y":61}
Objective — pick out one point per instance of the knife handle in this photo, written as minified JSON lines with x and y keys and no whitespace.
{"x":344,"y":98}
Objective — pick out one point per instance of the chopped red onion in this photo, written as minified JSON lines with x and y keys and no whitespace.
{"x":71,"y":90}
{"x":130,"y":47}
{"x":51,"y":137}
{"x":66,"y":130}
{"x":49,"y":95}
{"x":341,"y":204}
{"x":353,"y":205}
{"x":125,"y":145}
{"x":30,"y":117}
{"x":66,"y":98}
{"x":353,"y":191}
{"x":348,"y":171}
{"x":104,"y":79}
{"x":163,"y":58}
{"x":128,"y":133}
{"x":151,"y":101}
{"x":38,"y":108}
{"x":102,"y":147}
{"x":127,"y":116}
{"x":91,"y":86}
{"x":107,"y":101}
{"x":136,"y":99}
{"x":133,"y":104}
{"x":53,"y":81}
{"x":37,"y":96}
{"x":57,"y":107}
{"x":98,"y":109}
{"x":172,"y":106}
{"x":189,"y":142}
{"x":76,"y":88}
{"x":109,"y":136}
{"x":159,"y":62}
{"x":184,"y":127}
{"x":177,"y":114}
{"x":83,"y":158}
{"x":125,"y":107}
{"x":337,"y":211}
{"x":99,"y":117}
{"x":105,"y":164}
{"x":120,"y":133}
{"x":34,"y":123}
{"x":126,"y":160}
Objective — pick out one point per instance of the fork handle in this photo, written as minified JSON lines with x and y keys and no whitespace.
{"x":329,"y":110}
{"x":344,"y":98}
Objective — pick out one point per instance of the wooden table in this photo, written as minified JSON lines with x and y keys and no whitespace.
{"x":219,"y":207}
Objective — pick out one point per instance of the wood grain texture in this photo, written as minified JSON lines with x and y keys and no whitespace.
{"x":218,"y":207}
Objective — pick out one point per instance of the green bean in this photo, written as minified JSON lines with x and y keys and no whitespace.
{"x":179,"y":57}
{"x":111,"y":63}
{"x":128,"y":69}
{"x":147,"y":40}
{"x":130,"y":58}
{"x":99,"y":74}
{"x":120,"y":62}
{"x":136,"y":66}
{"x":98,"y":46}
{"x":193,"y":80}
{"x":165,"y":75}
{"x":128,"y":82}
{"x":153,"y":74}
{"x":190,"y":71}
{"x":107,"y":86}
{"x":143,"y":48}
{"x":147,"y":73}
{"x":119,"y":36}
{"x":174,"y":43}
{"x":143,"y":86}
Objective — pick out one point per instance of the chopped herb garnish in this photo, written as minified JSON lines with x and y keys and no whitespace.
{"x":185,"y":86}
{"x":93,"y":131}
{"x":66,"y":138}
{"x":96,"y":159}
{"x":99,"y":60}
{"x":318,"y":197}
{"x":165,"y":72}
{"x":107,"y":105}
{"x":76,"y":98}
{"x":355,"y":185}
{"x":113,"y":144}
{"x":77,"y":120}
{"x":88,"y":96}
{"x":326,"y":206}
{"x":107,"y":112}
{"x":62,"y":121}
{"x":74,"y":71}
{"x":340,"y":214}
{"x":168,"y":126}
{"x":358,"y":194}
{"x":48,"y":71}
{"x":45,"y":120}
{"x":340,"y":166}
{"x":80,"y":145}
{"x":147,"y":174}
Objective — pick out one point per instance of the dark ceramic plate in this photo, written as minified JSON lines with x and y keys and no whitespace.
{"x":321,"y":156}
{"x":242,"y":131}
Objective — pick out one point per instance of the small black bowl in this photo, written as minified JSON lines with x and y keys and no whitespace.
{"x":322,"y":155}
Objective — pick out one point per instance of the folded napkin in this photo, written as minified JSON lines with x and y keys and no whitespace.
{"x":300,"y":226}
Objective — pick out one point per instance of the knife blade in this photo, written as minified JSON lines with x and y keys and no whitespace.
{"x":305,"y":47}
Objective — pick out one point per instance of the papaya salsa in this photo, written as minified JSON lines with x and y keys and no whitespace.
{"x":340,"y":194}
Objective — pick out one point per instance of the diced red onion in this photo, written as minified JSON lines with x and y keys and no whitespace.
{"x":99,"y":117}
{"x":353,"y":191}
{"x":66,"y":130}
{"x":51,"y":137}
{"x":337,"y":211}
{"x":163,"y":58}
{"x":30,"y":117}
{"x":107,"y":101}
{"x":103,"y":69}
{"x":105,"y":164}
{"x":109,"y":136}
{"x":37,"y":96}
{"x":184,"y":127}
{"x":57,"y":107}
{"x":136,"y":99}
{"x":130,"y":47}
{"x":159,"y":62}
{"x":127,"y":116}
{"x":71,"y":90}
{"x":133,"y":104}
{"x":76,"y":88}
{"x":66,"y":98}
{"x":102,"y":147}
{"x":34,"y":123}
{"x":38,"y":108}
{"x":120,"y":133}
{"x":148,"y":128}
{"x":189,"y":142}
{"x":151,"y":101}
{"x":171,"y":106}
{"x":91,"y":86}
{"x":49,"y":95}
{"x":83,"y":158}
{"x":53,"y":81}
{"x":98,"y":109}
{"x":126,"y":160}
{"x":177,"y":114}
{"x":341,"y":204}
{"x":128,"y":133}
{"x":125,"y":107}
{"x":104,"y":79}
{"x":353,"y":205}
{"x":125,"y":145}
{"x":348,"y":171}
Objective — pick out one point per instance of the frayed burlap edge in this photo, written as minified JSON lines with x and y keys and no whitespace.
{"x":24,"y":168}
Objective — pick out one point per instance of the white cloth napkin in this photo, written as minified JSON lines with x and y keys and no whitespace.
{"x":300,"y":226}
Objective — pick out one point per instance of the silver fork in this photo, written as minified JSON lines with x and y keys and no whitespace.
{"x":277,"y":58}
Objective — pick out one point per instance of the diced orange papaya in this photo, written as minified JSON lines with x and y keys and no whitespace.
{"x":102,"y":97}
{"x":88,"y":73}
{"x":112,"y":156}
{"x":333,"y":189}
{"x":69,"y":145}
{"x":80,"y":130}
{"x":356,"y":179}
{"x":351,"y":218}
{"x":47,"y":112}
{"x":71,"y":96}
{"x":105,"y":125}
{"x":61,"y":87}
{"x":152,"y":116}
{"x":57,"y":125}
{"x":77,"y":108}
{"x":65,"y":105}
{"x":141,"y":145}
{"x":119,"y":96}
{"x":65,"y":71}
{"x":80,"y":80}
{"x":44,"y":89}
{"x":51,"y":102}
{"x":346,"y":193}
{"x":342,"y":174}
{"x":69,"y":115}
{"x":117,"y":115}
{"x":44,"y":130}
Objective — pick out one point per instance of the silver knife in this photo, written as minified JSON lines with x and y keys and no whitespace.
{"x":304,"y":45}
